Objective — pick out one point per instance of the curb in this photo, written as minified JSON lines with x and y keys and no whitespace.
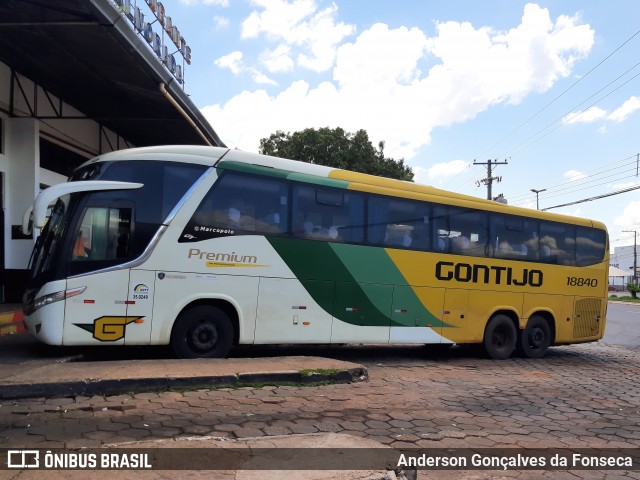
{"x":109,"y":387}
{"x":12,"y":323}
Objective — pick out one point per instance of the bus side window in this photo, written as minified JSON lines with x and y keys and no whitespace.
{"x":399,"y":223}
{"x":557,"y":243}
{"x":514,"y":237}
{"x":328,"y":214}
{"x":464,"y":231}
{"x":240,"y":204}
{"x":590,"y":246}
{"x":103,"y":234}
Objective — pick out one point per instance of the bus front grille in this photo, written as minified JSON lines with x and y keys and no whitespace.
{"x":587,"y":318}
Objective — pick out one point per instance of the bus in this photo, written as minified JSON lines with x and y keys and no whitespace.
{"x":204,"y":248}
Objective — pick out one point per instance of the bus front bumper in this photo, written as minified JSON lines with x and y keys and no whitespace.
{"x":44,"y":315}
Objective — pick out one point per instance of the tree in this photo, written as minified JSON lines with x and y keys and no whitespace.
{"x":633,"y":289}
{"x":336,"y":148}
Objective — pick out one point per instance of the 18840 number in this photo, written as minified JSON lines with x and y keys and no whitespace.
{"x":582,"y":282}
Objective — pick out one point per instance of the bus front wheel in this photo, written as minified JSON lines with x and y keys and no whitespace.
{"x":203,"y":331}
{"x":536,"y":337}
{"x":500,"y":337}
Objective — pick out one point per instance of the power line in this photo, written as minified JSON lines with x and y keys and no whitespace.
{"x":560,"y":95}
{"x":567,"y":120}
{"x":468,"y":179}
{"x":569,"y":189}
{"x":606,"y":169}
{"x":598,"y":197}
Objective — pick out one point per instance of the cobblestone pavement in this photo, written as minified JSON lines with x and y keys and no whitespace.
{"x":581,"y":396}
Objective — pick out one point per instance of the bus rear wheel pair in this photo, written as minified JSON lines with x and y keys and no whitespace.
{"x":501,"y":337}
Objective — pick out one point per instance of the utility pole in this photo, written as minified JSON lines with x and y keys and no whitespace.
{"x":537,"y":192}
{"x":635,"y":254}
{"x":488,"y":181}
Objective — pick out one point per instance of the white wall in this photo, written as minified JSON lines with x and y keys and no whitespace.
{"x":22,"y":148}
{"x":622,"y":258}
{"x":49,"y":178}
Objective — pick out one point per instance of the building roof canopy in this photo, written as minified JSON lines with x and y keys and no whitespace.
{"x":87,"y":53}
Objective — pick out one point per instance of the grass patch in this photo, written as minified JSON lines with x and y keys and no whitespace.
{"x":626,"y":298}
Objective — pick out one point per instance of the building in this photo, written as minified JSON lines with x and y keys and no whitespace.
{"x":622,"y":258}
{"x":79,"y":78}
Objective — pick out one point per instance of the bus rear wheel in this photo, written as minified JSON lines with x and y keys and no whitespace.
{"x":500,"y":337}
{"x":536,"y":337}
{"x":204,"y":331}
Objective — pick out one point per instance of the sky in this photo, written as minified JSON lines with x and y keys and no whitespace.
{"x":552,"y":88}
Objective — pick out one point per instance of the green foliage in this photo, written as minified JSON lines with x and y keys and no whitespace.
{"x":338,"y":149}
{"x":633,"y":289}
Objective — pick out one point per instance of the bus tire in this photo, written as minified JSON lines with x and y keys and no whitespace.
{"x":203,"y":331}
{"x":500,"y":337}
{"x":536,"y":337}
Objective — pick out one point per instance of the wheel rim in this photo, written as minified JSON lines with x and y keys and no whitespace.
{"x":204,"y":337}
{"x":537,"y":338}
{"x":500,"y":338}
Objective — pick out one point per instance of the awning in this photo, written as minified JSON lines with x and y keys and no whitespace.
{"x":617,"y":272}
{"x":85,"y":52}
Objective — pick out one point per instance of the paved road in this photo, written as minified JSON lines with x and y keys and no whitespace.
{"x":623,"y":325}
{"x":579,"y":396}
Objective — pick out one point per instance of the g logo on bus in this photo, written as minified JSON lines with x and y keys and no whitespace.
{"x":109,"y":329}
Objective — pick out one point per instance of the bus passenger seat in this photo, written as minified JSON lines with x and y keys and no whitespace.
{"x":460,"y":244}
{"x":443,"y":244}
{"x":520,"y":249}
{"x":407,"y":240}
{"x":308,"y":227}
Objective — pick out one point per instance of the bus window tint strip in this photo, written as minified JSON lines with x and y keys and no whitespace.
{"x":242,"y":204}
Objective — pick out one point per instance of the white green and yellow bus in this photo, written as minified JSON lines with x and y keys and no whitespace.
{"x":205,"y":248}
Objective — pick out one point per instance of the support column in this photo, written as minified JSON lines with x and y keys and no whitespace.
{"x":22,"y":182}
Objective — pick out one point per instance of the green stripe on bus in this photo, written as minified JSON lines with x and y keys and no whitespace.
{"x":324,"y":181}
{"x":312,"y":260}
{"x":255,"y":169}
{"x":364,"y":278}
{"x":282,"y":174}
{"x":373,"y":266}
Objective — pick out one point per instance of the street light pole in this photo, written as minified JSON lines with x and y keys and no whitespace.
{"x":537,"y":192}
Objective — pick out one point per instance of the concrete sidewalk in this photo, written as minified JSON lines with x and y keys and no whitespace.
{"x":30,"y":369}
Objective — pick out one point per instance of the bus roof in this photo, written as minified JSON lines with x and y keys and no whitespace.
{"x":246,"y":161}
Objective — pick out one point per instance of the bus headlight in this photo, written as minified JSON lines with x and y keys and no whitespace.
{"x":45,"y":300}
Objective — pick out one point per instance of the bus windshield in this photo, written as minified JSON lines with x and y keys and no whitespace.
{"x":49,"y":241}
{"x":91,"y":230}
